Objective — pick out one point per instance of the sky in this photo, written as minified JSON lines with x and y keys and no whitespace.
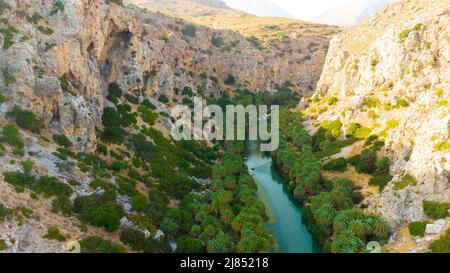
{"x":307,"y":9}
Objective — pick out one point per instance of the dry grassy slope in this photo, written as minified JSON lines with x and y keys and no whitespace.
{"x":265,"y":28}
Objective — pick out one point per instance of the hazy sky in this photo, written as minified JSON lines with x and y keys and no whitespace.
{"x":307,"y":9}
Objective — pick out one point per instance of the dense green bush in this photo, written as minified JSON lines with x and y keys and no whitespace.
{"x":187,"y":244}
{"x":148,"y":104}
{"x":113,"y":135}
{"x":26,"y":120}
{"x":62,"y":204}
{"x":442,"y":245}
{"x":48,"y":186}
{"x":338,"y":165}
{"x":118,"y":166}
{"x":187,"y":91}
{"x":98,"y":245}
{"x":417,"y":228}
{"x":4,"y":212}
{"x":407,"y":180}
{"x":107,"y":216}
{"x":53,"y":233}
{"x":137,"y":241}
{"x":101,"y":210}
{"x":436,"y":210}
{"x":381,"y":177}
{"x":230,"y":80}
{"x":147,"y":115}
{"x":11,"y":136}
{"x":114,"y":90}
{"x":365,"y":162}
{"x":189,"y":30}
{"x":132,"y":99}
{"x":62,"y":140}
{"x":163,"y":99}
{"x":217,"y":41}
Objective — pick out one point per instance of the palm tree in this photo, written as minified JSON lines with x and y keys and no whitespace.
{"x":358,"y":228}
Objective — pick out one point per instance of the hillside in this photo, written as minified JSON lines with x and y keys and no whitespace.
{"x":389,"y":78}
{"x":265,"y":28}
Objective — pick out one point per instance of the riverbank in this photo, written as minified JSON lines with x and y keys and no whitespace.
{"x":286,"y":219}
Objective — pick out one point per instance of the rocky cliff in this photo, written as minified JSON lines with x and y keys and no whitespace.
{"x":58,"y":59}
{"x":391,"y":74}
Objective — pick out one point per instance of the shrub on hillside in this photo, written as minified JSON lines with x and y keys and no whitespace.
{"x":436,"y":210}
{"x":95,"y":244}
{"x":338,"y":165}
{"x":189,"y":30}
{"x":26,"y":120}
{"x":62,"y":140}
{"x":417,"y":228}
{"x":53,"y":233}
{"x":365,"y":162}
{"x":442,"y":245}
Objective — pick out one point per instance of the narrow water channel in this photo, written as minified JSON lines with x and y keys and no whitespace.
{"x":286,"y":219}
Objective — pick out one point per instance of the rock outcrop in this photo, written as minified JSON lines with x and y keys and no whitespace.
{"x":391,"y":74}
{"x":58,"y":58}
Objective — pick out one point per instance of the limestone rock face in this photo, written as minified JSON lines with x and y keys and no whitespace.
{"x":436,"y":228}
{"x":394,"y":69}
{"x":59,"y":62}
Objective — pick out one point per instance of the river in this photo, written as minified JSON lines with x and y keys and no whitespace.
{"x":286,"y":221}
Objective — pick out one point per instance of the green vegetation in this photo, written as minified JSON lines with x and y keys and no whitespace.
{"x":26,"y":120}
{"x":401,"y":103}
{"x":381,"y":177}
{"x":10,"y":135}
{"x":114,"y":92}
{"x":98,"y":245}
{"x":8,"y":78}
{"x":417,"y":228}
{"x":371,"y":102}
{"x":230,"y":80}
{"x":163,"y":98}
{"x":147,"y":115}
{"x":53,"y":233}
{"x":442,"y":245}
{"x":45,"y":30}
{"x":442,"y":146}
{"x":35,"y":18}
{"x":439,"y":92}
{"x":328,"y":205}
{"x":189,"y":30}
{"x":436,"y":210}
{"x":404,"y":34}
{"x":217,"y":41}
{"x":62,"y":140}
{"x":332,"y":101}
{"x":406,"y":181}
{"x":99,"y":211}
{"x":137,"y":241}
{"x":4,"y":212}
{"x":132,"y":99}
{"x":45,"y":185}
{"x":337,"y":165}
{"x":57,"y":7}
{"x":358,"y":131}
{"x":365,"y":162}
{"x":8,"y":37}
{"x":3,"y":98}
{"x":65,"y":86}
